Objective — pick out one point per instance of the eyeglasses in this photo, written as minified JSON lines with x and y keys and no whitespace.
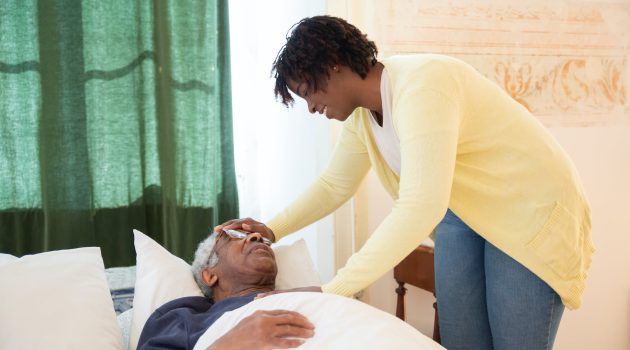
{"x":232,"y":234}
{"x":237,"y":234}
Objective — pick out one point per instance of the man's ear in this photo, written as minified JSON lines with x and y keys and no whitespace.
{"x":209,"y":278}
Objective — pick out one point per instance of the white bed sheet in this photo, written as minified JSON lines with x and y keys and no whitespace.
{"x":340,"y":323}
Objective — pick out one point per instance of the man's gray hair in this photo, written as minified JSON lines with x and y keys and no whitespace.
{"x":205,"y":257}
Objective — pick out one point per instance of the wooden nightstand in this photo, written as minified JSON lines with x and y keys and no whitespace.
{"x":416,"y":269}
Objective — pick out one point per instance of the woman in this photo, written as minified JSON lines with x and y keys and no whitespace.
{"x":463,"y":160}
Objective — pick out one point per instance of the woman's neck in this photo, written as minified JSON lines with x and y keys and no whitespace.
{"x":370,"y":88}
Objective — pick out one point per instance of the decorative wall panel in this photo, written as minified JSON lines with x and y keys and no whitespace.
{"x":567,"y":62}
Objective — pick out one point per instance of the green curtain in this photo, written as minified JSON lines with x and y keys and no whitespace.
{"x":114,"y":115}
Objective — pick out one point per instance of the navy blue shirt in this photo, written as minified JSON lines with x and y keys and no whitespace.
{"x":179,"y":323}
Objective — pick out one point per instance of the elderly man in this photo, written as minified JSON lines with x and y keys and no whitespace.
{"x":231,"y":268}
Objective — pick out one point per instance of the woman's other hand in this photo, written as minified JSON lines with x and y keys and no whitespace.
{"x":247,"y":224}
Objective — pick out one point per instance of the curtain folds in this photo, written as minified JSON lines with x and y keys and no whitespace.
{"x":114,"y":115}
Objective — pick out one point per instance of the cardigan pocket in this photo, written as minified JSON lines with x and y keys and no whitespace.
{"x":557,"y":243}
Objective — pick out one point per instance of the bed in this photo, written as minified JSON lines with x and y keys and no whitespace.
{"x":66,"y":299}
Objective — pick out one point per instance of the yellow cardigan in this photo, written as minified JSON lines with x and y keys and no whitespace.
{"x":466,"y":145}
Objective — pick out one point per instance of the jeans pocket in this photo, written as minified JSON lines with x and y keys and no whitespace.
{"x":557,"y":243}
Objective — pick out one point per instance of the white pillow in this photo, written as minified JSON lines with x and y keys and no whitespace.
{"x":57,"y":300}
{"x":5,"y":258}
{"x":295,"y":266}
{"x":162,"y":277}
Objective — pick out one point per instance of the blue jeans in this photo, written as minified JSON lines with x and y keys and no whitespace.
{"x":486,"y":299}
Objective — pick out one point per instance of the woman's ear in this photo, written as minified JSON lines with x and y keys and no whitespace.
{"x":209,"y":278}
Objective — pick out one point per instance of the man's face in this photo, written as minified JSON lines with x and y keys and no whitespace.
{"x":245,"y":261}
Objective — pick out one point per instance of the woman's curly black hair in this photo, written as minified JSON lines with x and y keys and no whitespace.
{"x":313,"y":47}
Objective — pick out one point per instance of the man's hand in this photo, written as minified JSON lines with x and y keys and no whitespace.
{"x":273,"y":329}
{"x":247,"y":224}
{"x":300,"y":289}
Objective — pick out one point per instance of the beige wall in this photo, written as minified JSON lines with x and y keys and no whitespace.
{"x":568,"y":63}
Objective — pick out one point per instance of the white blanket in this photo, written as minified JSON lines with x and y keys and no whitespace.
{"x":340,"y":323}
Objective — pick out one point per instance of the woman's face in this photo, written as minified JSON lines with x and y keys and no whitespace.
{"x":334,"y":99}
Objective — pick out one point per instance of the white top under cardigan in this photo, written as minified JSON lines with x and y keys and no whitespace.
{"x":385,"y":136}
